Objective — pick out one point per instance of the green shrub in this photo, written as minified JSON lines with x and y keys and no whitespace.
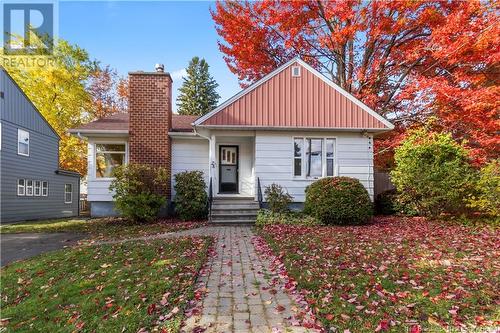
{"x":190,"y":195}
{"x":138,"y":191}
{"x":487,"y":196}
{"x":388,"y":203}
{"x":267,"y":217}
{"x":432,"y":173}
{"x":385,"y":203}
{"x":338,"y":200}
{"x":277,"y":198}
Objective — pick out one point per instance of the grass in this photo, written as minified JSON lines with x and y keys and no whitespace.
{"x":396,"y":275}
{"x":102,"y":228}
{"x":130,"y":286}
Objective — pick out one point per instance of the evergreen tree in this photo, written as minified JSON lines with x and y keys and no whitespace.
{"x":198,"y":94}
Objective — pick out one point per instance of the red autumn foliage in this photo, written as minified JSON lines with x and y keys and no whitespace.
{"x":108,"y":91}
{"x":408,"y":60}
{"x":398,"y":274}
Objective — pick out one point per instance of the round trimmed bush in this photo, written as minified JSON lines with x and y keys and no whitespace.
{"x":338,"y":200}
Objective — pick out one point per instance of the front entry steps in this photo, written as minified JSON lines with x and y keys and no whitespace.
{"x":234,"y":211}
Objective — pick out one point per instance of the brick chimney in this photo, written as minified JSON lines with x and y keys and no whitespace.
{"x":150,"y":118}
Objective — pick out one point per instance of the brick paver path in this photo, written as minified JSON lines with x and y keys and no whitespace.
{"x":238,"y":296}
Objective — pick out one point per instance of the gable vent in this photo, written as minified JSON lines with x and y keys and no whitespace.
{"x":295,"y":71}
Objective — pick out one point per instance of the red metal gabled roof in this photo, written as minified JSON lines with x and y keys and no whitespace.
{"x":281,"y":100}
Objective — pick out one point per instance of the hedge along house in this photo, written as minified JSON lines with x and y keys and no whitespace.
{"x":291,"y":127}
{"x":31,"y":184}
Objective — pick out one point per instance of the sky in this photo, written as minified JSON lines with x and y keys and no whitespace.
{"x":135,"y":35}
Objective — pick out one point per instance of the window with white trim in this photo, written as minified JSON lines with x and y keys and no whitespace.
{"x":330,"y":157}
{"x":313,"y":157}
{"x":23,"y":142}
{"x":21,"y":190}
{"x":45,"y":188}
{"x":29,"y":187}
{"x":68,"y":193}
{"x":38,"y":188}
{"x":107,"y":158}
{"x":298,"y":147}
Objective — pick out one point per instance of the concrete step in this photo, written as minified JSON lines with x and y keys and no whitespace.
{"x":234,"y":206}
{"x":234,"y":218}
{"x":235,"y":201}
{"x":236,"y":212}
{"x":233,"y":223}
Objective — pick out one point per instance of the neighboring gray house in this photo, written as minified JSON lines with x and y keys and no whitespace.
{"x":31,"y":184}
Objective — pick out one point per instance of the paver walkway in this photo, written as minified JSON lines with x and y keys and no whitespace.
{"x":238,"y":295}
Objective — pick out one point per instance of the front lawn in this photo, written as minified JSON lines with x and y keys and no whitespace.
{"x":397,"y":275}
{"x":131,"y":286}
{"x":101,"y":228}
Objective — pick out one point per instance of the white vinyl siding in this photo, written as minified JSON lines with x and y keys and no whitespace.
{"x":189,"y":155}
{"x":274,"y":159}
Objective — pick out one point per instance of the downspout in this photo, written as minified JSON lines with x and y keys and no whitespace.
{"x":209,"y":140}
{"x":210,"y":186}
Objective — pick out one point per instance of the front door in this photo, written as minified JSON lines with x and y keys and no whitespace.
{"x":228,"y":169}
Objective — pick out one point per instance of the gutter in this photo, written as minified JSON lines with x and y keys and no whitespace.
{"x":91,"y":131}
{"x":287,"y":128}
{"x":183,"y":134}
{"x":67,"y":173}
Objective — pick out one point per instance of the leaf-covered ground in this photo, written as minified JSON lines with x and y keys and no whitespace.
{"x":396,"y":275}
{"x":131,"y":286}
{"x":102,"y":228}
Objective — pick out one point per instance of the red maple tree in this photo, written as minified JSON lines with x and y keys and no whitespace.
{"x":408,"y":60}
{"x":108,"y":91}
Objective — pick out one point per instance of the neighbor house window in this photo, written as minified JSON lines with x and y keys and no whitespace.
{"x":23,"y":142}
{"x":29,"y":187}
{"x":107,"y":158}
{"x":45,"y":188}
{"x":314,"y":157}
{"x":20,"y":187}
{"x":38,"y":188}
{"x":68,"y":193}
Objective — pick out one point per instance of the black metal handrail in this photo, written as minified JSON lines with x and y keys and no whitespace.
{"x":259,"y":193}
{"x":210,"y":200}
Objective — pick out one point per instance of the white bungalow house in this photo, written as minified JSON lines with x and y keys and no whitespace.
{"x":291,"y":127}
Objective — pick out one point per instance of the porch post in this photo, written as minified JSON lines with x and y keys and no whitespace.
{"x":211,"y":160}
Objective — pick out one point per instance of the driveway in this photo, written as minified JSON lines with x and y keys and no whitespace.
{"x":25,"y":245}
